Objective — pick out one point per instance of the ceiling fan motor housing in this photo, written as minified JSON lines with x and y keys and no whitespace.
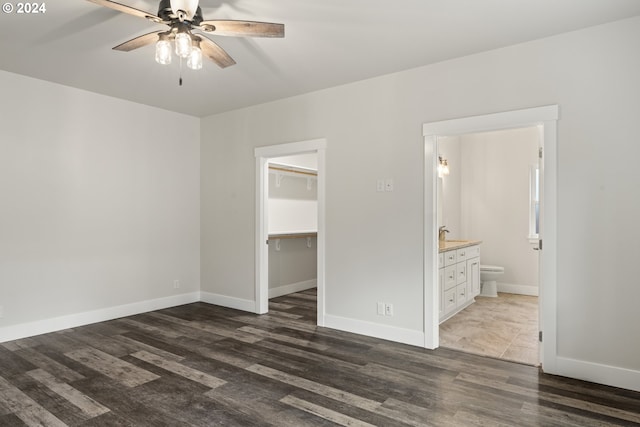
{"x":168,"y":11}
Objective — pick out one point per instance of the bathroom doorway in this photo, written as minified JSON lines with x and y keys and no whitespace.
{"x":486,"y":195}
{"x":546,"y":118}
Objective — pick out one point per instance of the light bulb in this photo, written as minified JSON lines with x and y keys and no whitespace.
{"x":183,"y":45}
{"x":195,"y":58}
{"x":445,"y":167}
{"x":163,"y":52}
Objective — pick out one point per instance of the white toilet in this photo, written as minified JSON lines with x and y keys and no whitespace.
{"x":488,"y":276}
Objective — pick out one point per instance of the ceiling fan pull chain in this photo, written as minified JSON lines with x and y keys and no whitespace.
{"x":180,"y":81}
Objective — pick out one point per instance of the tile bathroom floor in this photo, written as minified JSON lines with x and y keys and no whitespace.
{"x":505,"y":327}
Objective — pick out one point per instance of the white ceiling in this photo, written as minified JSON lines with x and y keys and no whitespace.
{"x":327,"y":43}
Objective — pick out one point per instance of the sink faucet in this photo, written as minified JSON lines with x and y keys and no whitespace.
{"x":441,"y":233}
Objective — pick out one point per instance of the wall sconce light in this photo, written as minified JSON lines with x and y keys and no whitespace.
{"x":443,"y":167}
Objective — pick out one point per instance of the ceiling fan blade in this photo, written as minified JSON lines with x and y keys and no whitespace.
{"x":126,"y":9}
{"x":138,"y":42}
{"x":215,"y":53}
{"x":223,"y":27}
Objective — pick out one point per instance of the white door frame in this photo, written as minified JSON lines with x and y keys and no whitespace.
{"x":263,"y":154}
{"x":547,"y":117}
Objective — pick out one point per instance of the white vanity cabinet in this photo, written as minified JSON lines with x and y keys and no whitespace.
{"x":459,"y":276}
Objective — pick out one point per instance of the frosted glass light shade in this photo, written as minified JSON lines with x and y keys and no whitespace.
{"x":195,"y":58}
{"x":183,"y":45}
{"x":163,"y":52}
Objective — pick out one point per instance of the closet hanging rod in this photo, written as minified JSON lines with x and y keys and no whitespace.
{"x":282,"y":169}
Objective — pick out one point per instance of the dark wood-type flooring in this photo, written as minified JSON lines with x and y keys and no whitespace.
{"x":205,"y":365}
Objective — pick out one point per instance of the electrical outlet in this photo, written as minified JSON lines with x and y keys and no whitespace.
{"x":381,"y":309}
{"x":388,"y":310}
{"x":389,"y":184}
{"x":176,"y":284}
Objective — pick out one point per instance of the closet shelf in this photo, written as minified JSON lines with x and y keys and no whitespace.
{"x":299,"y":235}
{"x":293,"y":169}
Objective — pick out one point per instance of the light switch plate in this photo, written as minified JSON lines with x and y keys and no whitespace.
{"x":380,"y":185}
{"x":388,"y":310}
{"x":389,"y":184}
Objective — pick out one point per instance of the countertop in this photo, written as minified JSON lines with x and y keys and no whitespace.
{"x":449,"y":245}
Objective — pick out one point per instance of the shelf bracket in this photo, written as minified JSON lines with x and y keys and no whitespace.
{"x":278,"y":245}
{"x":279,"y":177}
{"x":308,"y":242}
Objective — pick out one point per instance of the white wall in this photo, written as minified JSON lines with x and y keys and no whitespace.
{"x":373,"y":130}
{"x":99,"y":203}
{"x":292,"y":268}
{"x":306,"y":160}
{"x":450,"y":188}
{"x":292,"y":206}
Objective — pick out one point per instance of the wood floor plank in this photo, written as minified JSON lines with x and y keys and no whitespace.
{"x":135,"y":345}
{"x":180,"y":369}
{"x":279,"y":337}
{"x":41,"y":360}
{"x":327,"y":391}
{"x":586,"y":406}
{"x":10,"y":420}
{"x":271,"y":413}
{"x":83,"y":402}
{"x":112,"y":367}
{"x":25,"y":408}
{"x":326,"y":413}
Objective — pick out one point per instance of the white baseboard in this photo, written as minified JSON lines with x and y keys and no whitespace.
{"x":229,"y":302}
{"x":509,"y":288}
{"x":24,"y":330}
{"x":376,"y":330}
{"x":597,"y":373}
{"x":291,"y":288}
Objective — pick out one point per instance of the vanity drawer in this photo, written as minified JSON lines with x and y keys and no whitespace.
{"x":449,"y":301}
{"x":462,"y":254}
{"x":450,"y":276}
{"x":471,"y":251}
{"x":449,"y":258}
{"x":461,"y":272}
{"x":461,"y":295}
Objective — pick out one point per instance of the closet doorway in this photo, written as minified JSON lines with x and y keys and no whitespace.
{"x":285,"y":223}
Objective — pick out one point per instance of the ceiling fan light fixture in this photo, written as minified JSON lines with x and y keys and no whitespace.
{"x":183,"y":44}
{"x":194,"y":62}
{"x":163,"y":50}
{"x":183,"y":16}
